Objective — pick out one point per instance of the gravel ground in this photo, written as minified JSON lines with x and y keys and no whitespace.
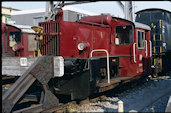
{"x":159,"y":105}
{"x":150,"y":96}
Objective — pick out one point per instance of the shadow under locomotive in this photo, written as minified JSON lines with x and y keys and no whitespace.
{"x":85,"y":77}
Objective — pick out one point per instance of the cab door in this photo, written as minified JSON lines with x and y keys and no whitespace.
{"x":123,"y":47}
{"x":140,"y":50}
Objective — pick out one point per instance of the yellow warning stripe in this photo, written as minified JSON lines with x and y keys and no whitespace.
{"x":161,"y":63}
{"x":160,"y":37}
{"x":154,"y":49}
{"x":160,"y":49}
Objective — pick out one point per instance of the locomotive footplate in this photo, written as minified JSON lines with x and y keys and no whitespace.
{"x":82,"y":76}
{"x":104,"y":86}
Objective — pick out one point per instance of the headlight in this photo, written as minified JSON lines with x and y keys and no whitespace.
{"x":81,"y":46}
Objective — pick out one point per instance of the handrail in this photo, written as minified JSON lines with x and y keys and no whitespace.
{"x":108,"y":72}
{"x":134,"y":52}
{"x":150,"y":48}
{"x":146,"y":48}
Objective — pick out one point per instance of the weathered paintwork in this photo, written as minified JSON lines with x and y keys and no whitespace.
{"x":23,"y":49}
{"x":98,"y":36}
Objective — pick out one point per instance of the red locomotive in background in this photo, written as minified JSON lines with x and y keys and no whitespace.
{"x":18,"y":40}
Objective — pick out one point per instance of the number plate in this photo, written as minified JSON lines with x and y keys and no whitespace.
{"x":23,"y":61}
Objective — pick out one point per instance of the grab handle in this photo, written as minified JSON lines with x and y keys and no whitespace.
{"x":146,"y":48}
{"x":150,"y":48}
{"x":134,"y":53}
{"x":107,"y":54}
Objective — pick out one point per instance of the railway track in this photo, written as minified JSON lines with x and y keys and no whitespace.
{"x":64,"y":107}
{"x":136,"y":97}
{"x":32,"y":100}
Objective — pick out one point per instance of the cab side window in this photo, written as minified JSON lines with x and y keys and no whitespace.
{"x":123,"y":35}
{"x":140,"y":39}
{"x":15,"y":36}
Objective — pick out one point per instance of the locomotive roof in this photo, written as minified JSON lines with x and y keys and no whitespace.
{"x":153,"y":9}
{"x":23,"y":28}
{"x":140,"y":25}
{"x":136,"y":24}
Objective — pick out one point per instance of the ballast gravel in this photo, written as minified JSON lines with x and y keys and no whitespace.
{"x":150,"y":96}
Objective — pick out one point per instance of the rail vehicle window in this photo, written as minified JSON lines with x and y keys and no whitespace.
{"x":140,"y":39}
{"x":123,"y":35}
{"x":15,"y":36}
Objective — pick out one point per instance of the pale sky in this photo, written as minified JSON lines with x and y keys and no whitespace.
{"x":26,"y":5}
{"x":95,"y":7}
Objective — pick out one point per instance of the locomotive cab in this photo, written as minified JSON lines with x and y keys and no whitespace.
{"x":18,"y":40}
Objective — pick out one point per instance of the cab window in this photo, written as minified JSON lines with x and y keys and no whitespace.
{"x":15,"y":36}
{"x":140,"y":39}
{"x":123,"y":35}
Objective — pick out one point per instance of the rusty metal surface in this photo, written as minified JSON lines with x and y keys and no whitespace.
{"x":35,"y":108}
{"x":40,"y":108}
{"x":15,"y":92}
{"x":50,"y":44}
{"x":42,"y":70}
{"x":104,"y":86}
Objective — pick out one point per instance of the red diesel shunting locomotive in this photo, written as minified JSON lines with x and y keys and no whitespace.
{"x":98,"y":51}
{"x":18,"y":40}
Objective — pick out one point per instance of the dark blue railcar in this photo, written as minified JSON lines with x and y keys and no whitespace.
{"x":160,"y":22}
